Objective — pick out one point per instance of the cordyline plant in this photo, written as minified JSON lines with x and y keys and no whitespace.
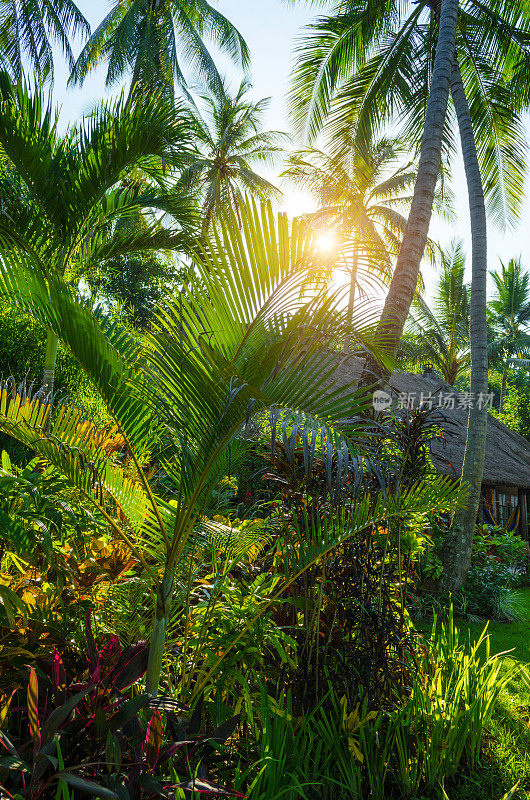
{"x":250,"y":337}
{"x":102,"y":735}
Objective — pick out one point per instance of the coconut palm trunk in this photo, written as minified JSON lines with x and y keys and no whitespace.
{"x":456,"y":553}
{"x":405,"y":277}
{"x":503,"y":389}
{"x":351,"y":295}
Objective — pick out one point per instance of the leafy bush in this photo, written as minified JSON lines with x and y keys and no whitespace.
{"x":93,"y":733}
{"x":488,"y":586}
{"x":497,"y":563}
{"x":22,"y":345}
{"x":56,"y":561}
{"x":135,"y":285}
{"x":506,"y":547}
{"x":349,"y":753}
{"x":34,"y":511}
{"x":516,"y":402}
{"x":498,"y":566}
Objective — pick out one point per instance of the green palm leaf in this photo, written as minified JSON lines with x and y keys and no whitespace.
{"x":250,"y":336}
{"x":29,"y":29}
{"x":152,"y":41}
{"x":369,"y":64}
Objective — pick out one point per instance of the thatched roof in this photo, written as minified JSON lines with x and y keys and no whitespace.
{"x":507,"y":453}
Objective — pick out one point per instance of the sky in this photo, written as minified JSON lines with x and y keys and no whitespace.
{"x":270,"y":28}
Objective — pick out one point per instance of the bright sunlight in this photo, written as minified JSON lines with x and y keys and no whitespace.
{"x":326,"y":242}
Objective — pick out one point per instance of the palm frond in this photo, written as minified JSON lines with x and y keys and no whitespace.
{"x":29,"y":30}
{"x":73,"y":446}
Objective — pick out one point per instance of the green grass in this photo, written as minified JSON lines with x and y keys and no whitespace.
{"x":508,"y":636}
{"x":506,"y":755}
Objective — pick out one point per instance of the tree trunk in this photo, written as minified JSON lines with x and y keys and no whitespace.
{"x":158,"y":633}
{"x":50,"y":360}
{"x":351,"y":296}
{"x":456,"y":552}
{"x":503,"y":390}
{"x":405,"y":277}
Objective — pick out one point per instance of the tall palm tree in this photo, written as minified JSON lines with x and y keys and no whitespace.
{"x":438,"y":333}
{"x":488,"y":107}
{"x":65,"y":197}
{"x":485,"y":51}
{"x":456,"y":552}
{"x":229,"y":142}
{"x":371,"y":63}
{"x":362,"y":195}
{"x":340,"y":45}
{"x":29,"y":29}
{"x":197,"y":392}
{"x":509,"y":319}
{"x":150,"y":40}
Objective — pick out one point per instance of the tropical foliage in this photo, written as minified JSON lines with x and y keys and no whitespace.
{"x":373,"y":62}
{"x":439,"y":329}
{"x":510,"y":320}
{"x":28,"y":31}
{"x":72,"y":232}
{"x":150,"y":41}
{"x":361,"y":196}
{"x":230,"y":142}
{"x":227,"y":566}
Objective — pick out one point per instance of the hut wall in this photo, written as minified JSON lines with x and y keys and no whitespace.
{"x":507,"y":498}
{"x":523,"y":520}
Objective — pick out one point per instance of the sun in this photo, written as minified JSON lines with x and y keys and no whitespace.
{"x":299,"y":204}
{"x":326,"y":242}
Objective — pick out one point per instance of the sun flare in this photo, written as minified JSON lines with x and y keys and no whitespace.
{"x":326,"y":242}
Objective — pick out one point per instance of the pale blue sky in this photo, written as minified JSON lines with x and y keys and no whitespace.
{"x":270,"y":28}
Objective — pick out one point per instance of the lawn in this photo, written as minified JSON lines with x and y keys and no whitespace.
{"x":506,"y":758}
{"x":514,"y":636}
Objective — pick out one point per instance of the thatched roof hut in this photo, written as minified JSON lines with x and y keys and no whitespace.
{"x":506,"y":480}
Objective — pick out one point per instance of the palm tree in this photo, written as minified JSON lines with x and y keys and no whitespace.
{"x":65,"y":197}
{"x":371,"y":63}
{"x":361,"y":195}
{"x":230,"y":141}
{"x":149,"y":39}
{"x":456,"y":552}
{"x":29,"y":28}
{"x":484,"y":53}
{"x":438,"y":334}
{"x":509,"y":317}
{"x":194,"y":383}
{"x":341,"y":44}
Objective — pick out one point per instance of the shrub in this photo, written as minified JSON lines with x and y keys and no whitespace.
{"x":342,"y":752}
{"x":98,"y":733}
{"x":498,"y":566}
{"x":22,"y":344}
{"x":505,"y":547}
